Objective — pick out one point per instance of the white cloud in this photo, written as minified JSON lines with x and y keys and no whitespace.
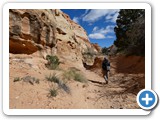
{"x":110,"y":36}
{"x":102,"y":32}
{"x":110,"y":28}
{"x":96,"y":36}
{"x":95,"y":28}
{"x":112,"y":17}
{"x":109,"y":17}
{"x":115,"y":17}
{"x":107,"y":29}
{"x":90,"y":24}
{"x":95,"y":14}
{"x":86,"y":11}
{"x":76,"y":19}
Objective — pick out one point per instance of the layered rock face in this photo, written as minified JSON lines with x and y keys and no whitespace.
{"x":97,"y":47}
{"x":42,"y":30}
{"x":31,"y":30}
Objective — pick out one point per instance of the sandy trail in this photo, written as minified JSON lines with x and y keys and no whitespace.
{"x":119,"y":93}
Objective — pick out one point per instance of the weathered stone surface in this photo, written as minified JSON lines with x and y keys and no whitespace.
{"x":33,"y":30}
{"x":97,"y":47}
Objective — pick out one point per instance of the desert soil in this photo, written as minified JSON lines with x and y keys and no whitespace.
{"x":119,"y":93}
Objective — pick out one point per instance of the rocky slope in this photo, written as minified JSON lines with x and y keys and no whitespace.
{"x":48,"y":31}
{"x":119,"y":93}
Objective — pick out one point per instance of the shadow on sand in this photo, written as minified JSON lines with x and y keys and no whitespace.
{"x":101,"y":83}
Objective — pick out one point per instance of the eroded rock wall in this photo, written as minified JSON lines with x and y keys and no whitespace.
{"x":34,"y":30}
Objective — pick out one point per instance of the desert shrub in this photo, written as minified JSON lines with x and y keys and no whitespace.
{"x":16,"y":79}
{"x":53,"y":92}
{"x":53,"y":78}
{"x":61,"y":85}
{"x":69,"y":74}
{"x":75,"y":75}
{"x":79,"y":77}
{"x":53,"y":62}
{"x":30,"y":80}
{"x":36,"y":80}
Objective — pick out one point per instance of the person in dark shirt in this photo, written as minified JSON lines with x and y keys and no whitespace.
{"x":105,"y":68}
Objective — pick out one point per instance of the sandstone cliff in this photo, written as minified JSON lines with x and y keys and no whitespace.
{"x":48,"y":31}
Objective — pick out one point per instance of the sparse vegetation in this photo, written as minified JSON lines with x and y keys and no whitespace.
{"x":79,"y":77}
{"x":53,"y":92}
{"x":30,"y":79}
{"x":75,"y":75}
{"x":36,"y":80}
{"x":53,"y":62}
{"x":16,"y":79}
{"x":55,"y":79}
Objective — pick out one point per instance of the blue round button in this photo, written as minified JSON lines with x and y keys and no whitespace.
{"x":147,"y":99}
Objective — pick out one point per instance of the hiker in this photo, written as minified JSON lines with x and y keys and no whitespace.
{"x":105,"y":68}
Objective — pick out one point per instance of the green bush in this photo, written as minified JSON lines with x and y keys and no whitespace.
{"x":61,"y":85}
{"x":16,"y":79}
{"x":53,"y":78}
{"x":53,"y":92}
{"x":75,"y":75}
{"x":53,"y":62}
{"x":69,"y":74}
{"x":80,"y":78}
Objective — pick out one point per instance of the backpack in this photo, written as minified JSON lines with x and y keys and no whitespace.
{"x":103,"y":66}
{"x":106,"y":65}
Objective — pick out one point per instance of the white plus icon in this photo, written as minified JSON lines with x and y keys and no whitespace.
{"x":147,"y":99}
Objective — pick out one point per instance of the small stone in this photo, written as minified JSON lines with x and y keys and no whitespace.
{"x":83,"y":86}
{"x":111,"y":107}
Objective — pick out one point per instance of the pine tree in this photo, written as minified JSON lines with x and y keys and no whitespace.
{"x":130,"y":31}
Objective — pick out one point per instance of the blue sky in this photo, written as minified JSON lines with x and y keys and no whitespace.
{"x":99,"y":23}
